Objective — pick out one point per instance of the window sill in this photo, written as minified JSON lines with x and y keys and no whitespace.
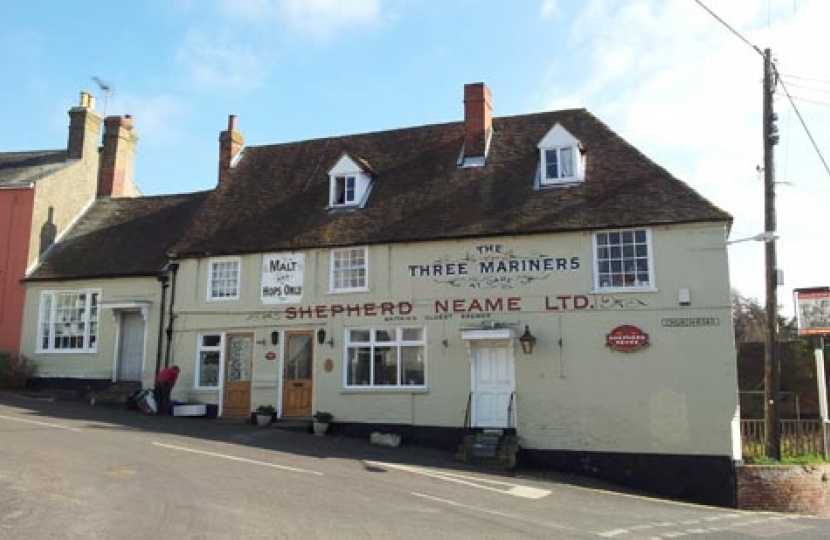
{"x":617,"y":290}
{"x":66,"y":351}
{"x":375,"y":390}
{"x":229,"y":299}
{"x":563,"y":182}
{"x":348,"y":291}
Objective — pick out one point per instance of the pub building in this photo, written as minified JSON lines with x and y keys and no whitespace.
{"x":535,"y":276}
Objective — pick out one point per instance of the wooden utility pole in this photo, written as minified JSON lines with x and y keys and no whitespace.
{"x":772,"y":360}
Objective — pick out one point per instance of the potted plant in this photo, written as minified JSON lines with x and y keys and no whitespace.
{"x":265,"y":414}
{"x":322,"y":419}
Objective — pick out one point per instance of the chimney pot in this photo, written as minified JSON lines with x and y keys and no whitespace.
{"x":86,"y":101}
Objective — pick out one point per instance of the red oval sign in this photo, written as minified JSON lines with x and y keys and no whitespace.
{"x":270,"y":355}
{"x":626,"y":338}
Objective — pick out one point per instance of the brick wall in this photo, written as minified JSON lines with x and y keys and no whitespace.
{"x":802,"y":489}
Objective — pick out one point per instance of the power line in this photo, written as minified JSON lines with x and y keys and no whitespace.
{"x":738,"y":34}
{"x":810,"y":88}
{"x":823,"y":81}
{"x":804,"y":124}
{"x":812,"y":101}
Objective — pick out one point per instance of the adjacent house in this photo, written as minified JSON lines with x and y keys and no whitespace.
{"x":533,"y":274}
{"x":43,"y":192}
{"x":95,"y":305}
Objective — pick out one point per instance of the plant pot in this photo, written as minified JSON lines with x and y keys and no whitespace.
{"x":320,"y":428}
{"x":264,"y":419}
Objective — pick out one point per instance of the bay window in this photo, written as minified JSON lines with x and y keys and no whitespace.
{"x":68,"y":321}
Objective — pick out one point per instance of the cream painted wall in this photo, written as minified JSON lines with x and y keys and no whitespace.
{"x":97,"y":365}
{"x":679,"y":395}
{"x":69,"y":191}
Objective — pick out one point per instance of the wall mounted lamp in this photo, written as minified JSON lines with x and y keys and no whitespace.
{"x":528,"y":341}
{"x":321,"y":338}
{"x":275,"y":337}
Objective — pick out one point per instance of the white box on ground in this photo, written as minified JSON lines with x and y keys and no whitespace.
{"x":199,"y":409}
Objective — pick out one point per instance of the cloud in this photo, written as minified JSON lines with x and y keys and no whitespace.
{"x":550,"y":9}
{"x":155,"y":117}
{"x":318,"y":19}
{"x":218,"y":61}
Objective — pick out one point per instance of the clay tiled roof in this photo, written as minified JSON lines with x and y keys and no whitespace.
{"x":120,"y":237}
{"x":22,"y":168}
{"x":276,"y":196}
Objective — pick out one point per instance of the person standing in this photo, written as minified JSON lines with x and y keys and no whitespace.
{"x":165,"y":381}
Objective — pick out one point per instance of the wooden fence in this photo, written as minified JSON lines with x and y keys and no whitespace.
{"x":798,"y":438}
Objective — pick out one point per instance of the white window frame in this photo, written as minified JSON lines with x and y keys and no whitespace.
{"x":335,"y":186}
{"x":560,"y":141}
{"x":90,"y":315}
{"x":636,"y":285}
{"x":560,"y":178}
{"x":211,"y":277}
{"x":333,"y":279}
{"x":398,"y":342}
{"x":201,"y":347}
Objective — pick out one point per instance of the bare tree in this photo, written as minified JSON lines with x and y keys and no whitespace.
{"x":749,"y":318}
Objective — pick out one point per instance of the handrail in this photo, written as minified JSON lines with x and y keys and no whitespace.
{"x":467,"y":411}
{"x":510,"y":424}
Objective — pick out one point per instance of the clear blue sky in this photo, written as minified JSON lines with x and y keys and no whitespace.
{"x":663,"y":73}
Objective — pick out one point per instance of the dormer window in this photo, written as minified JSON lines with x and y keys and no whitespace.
{"x":561,"y":157}
{"x":350,"y":181}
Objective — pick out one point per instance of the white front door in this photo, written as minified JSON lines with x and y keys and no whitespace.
{"x":130,"y":346}
{"x":493,"y":385}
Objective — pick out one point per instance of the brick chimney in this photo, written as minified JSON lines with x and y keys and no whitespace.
{"x":84,"y":128}
{"x":478,"y":119}
{"x":115,"y":177}
{"x":230,"y":144}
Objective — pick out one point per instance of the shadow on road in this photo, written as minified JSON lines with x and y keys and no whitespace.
{"x":44,"y":407}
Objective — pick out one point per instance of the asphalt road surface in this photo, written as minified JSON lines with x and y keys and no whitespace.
{"x":70,"y":470}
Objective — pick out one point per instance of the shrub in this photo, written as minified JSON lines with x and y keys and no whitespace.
{"x":323,"y":417}
{"x":15,"y":371}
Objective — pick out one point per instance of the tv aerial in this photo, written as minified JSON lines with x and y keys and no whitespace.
{"x":107,"y":89}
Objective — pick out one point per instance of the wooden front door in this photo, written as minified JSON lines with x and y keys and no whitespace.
{"x":297,"y":383}
{"x":236,"y":400}
{"x":493,"y":385}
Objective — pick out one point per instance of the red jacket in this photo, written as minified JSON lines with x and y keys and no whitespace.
{"x":168,"y":375}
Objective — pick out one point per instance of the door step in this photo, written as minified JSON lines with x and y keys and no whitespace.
{"x":298,"y":425}
{"x":491,"y":448}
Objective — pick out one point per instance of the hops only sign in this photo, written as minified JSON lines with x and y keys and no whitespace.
{"x":626,"y":338}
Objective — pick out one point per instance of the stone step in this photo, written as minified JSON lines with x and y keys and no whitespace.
{"x":493,"y":449}
{"x":299,"y":425}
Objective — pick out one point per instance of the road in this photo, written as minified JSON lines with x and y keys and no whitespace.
{"x":69,"y":470}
